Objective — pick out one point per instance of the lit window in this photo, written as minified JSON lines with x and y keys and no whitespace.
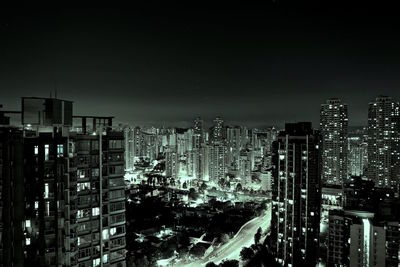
{"x":60,"y":150}
{"x":95,"y":211}
{"x":46,"y":190}
{"x":36,"y":150}
{"x":105,"y":234}
{"x":28,"y":241}
{"x":46,"y":152}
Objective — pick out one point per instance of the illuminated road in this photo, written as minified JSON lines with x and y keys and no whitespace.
{"x":243,"y":238}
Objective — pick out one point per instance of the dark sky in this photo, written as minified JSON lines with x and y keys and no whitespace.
{"x":168,"y":62}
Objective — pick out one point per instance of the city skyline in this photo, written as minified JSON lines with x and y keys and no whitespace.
{"x":196,"y":134}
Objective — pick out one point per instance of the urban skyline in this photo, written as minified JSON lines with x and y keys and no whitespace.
{"x":195,"y":134}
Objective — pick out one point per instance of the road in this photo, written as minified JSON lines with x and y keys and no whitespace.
{"x":243,"y":238}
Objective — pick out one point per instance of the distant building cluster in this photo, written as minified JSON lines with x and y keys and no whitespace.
{"x":196,"y":153}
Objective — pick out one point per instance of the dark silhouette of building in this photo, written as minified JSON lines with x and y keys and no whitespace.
{"x":296,"y":195}
{"x":62,"y":189}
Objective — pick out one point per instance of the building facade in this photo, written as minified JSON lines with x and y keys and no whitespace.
{"x":67,"y":193}
{"x":334,"y":128}
{"x":384,"y":142}
{"x":296,"y":195}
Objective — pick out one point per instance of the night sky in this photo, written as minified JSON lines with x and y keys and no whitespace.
{"x":254,"y":64}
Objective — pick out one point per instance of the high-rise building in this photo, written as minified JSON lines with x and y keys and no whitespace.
{"x":11,"y":196}
{"x":67,"y":195}
{"x":198,"y":128}
{"x":129,"y":148}
{"x":296,"y":195}
{"x":357,"y":238}
{"x":217,"y":162}
{"x":200,"y":162}
{"x":217,"y":131}
{"x":137,"y":142}
{"x":357,"y":156}
{"x":384,"y":142}
{"x":98,"y":162}
{"x":198,"y":133}
{"x":234,"y":144}
{"x":334,"y":127}
{"x":245,"y":166}
{"x":172,"y":163}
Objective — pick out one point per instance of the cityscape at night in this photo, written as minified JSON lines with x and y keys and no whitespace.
{"x":174,"y":134}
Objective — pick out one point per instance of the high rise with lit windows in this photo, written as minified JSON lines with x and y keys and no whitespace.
{"x":384,"y":142}
{"x":65,"y":191}
{"x":217,"y":162}
{"x":334,"y":129}
{"x":217,"y":131}
{"x":97,"y":152}
{"x":296,"y":195}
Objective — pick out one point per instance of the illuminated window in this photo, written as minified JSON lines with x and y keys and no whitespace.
{"x":46,"y":190}
{"x":60,"y":150}
{"x":105,"y":234}
{"x":36,"y":150}
{"x":46,"y":152}
{"x":95,"y":211}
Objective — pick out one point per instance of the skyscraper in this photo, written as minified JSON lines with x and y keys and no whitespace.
{"x":198,"y":127}
{"x":217,"y":131}
{"x":11,"y":196}
{"x":98,"y":164}
{"x":67,"y":195}
{"x":384,"y":142}
{"x":217,"y":164}
{"x":357,"y":156}
{"x":373,"y":241}
{"x":296,"y":195}
{"x":334,"y":128}
{"x":172,"y":163}
{"x":129,"y":148}
{"x":234,"y":143}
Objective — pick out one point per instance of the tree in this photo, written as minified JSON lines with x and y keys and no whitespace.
{"x":203,"y":187}
{"x":246,"y":254}
{"x":239,"y":187}
{"x":192,"y":193}
{"x":211,"y":264}
{"x":257,"y":236}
